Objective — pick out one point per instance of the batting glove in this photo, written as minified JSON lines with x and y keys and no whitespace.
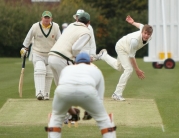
{"x":24,"y":52}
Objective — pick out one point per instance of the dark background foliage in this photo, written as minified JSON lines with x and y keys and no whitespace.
{"x":107,"y":19}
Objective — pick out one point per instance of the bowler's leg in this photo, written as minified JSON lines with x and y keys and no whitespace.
{"x":114,"y":63}
{"x":128,"y":69}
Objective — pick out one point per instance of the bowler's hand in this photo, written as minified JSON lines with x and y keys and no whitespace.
{"x":140,"y":74}
{"x":129,"y":19}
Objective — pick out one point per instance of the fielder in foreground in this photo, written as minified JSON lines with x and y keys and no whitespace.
{"x":69,"y":45}
{"x":126,"y":49}
{"x":80,"y":85}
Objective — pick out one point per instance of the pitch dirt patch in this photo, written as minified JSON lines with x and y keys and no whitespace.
{"x":132,"y":112}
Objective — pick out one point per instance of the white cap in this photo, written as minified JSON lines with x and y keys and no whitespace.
{"x":64,"y":25}
{"x":79,"y":11}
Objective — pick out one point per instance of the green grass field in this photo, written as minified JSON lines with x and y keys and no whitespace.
{"x":149,"y":100}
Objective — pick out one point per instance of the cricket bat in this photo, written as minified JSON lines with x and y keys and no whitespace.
{"x":22,"y":77}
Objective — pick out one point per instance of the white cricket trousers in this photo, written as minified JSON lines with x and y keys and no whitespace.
{"x":43,"y":76}
{"x":121,"y":63}
{"x":57,"y":64}
{"x":84,"y":96}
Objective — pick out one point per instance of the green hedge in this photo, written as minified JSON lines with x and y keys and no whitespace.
{"x":17,"y":17}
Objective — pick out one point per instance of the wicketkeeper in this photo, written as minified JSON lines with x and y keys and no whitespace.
{"x":80,"y":85}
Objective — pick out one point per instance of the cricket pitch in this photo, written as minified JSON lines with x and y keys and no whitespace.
{"x":132,"y":112}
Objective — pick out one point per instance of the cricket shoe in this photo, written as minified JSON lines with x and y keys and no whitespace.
{"x":46,"y":97}
{"x":40,"y":96}
{"x":117,"y":98}
{"x":101,"y":54}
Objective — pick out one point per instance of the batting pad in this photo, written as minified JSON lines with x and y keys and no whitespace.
{"x":132,"y":112}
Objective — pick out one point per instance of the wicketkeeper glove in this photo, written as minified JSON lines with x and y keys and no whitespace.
{"x":87,"y":116}
{"x":24,"y":52}
{"x":75,"y":117}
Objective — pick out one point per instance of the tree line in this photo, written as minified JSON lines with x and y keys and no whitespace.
{"x":107,"y":20}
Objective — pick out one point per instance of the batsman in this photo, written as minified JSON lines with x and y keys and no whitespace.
{"x":45,"y":33}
